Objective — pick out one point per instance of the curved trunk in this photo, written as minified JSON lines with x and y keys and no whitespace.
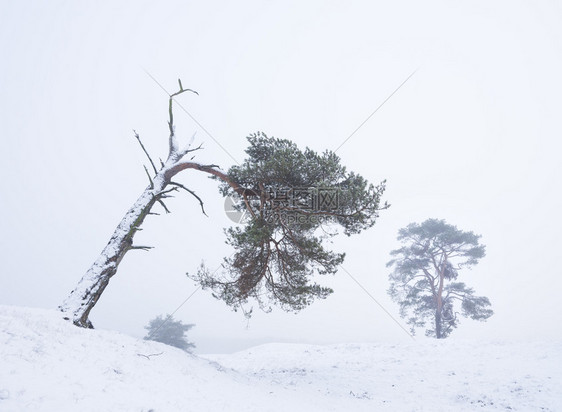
{"x":82,"y":299}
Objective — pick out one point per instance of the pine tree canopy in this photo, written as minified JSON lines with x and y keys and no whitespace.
{"x":426,"y":268}
{"x":295,"y":200}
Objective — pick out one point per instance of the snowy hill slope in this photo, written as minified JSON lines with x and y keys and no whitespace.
{"x":431,"y":376}
{"x":47,"y":364}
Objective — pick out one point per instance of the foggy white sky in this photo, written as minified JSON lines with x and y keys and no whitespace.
{"x":473,"y":137}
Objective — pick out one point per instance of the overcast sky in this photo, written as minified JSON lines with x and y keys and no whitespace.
{"x":472,"y":137}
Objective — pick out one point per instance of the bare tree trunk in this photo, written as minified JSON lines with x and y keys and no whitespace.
{"x":438,"y":322}
{"x":77,"y":306}
{"x":79,"y":303}
{"x":83,"y":298}
{"x":439,"y":310}
{"x":86,"y":294}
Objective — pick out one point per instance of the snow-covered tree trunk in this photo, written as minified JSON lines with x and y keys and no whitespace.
{"x":85,"y":295}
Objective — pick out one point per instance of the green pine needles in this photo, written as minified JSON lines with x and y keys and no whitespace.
{"x":295,"y":201}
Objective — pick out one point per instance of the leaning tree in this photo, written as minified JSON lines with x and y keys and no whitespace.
{"x":424,"y":280}
{"x":294,"y":199}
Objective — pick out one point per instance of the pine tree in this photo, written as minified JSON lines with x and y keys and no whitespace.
{"x":297,"y":199}
{"x":169,"y":331}
{"x":425,"y":272}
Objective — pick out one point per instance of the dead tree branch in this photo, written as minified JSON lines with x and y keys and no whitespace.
{"x":149,"y":177}
{"x":173,"y":140}
{"x":192,"y":193}
{"x":148,"y":356}
{"x":163,"y":205}
{"x":145,"y":151}
{"x":146,"y":248}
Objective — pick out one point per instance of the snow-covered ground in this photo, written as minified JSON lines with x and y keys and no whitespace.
{"x":46,"y":364}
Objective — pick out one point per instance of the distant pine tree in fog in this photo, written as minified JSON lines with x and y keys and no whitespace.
{"x":169,"y":331}
{"x":425,"y":272}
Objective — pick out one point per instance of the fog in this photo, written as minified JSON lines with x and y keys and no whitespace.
{"x":472,"y":137}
